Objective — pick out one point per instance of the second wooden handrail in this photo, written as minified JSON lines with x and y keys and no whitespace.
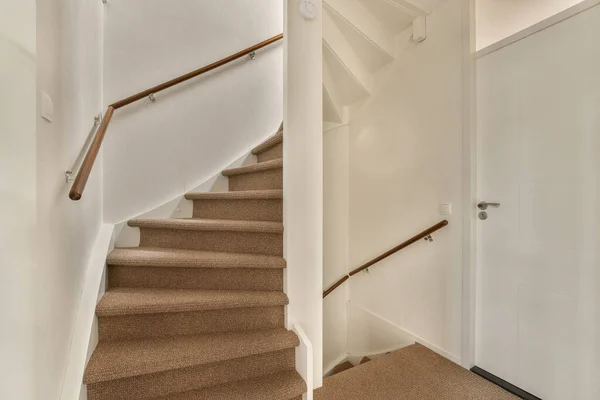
{"x":388,"y":253}
{"x":88,"y":162}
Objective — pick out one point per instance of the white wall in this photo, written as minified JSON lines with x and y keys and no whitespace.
{"x":303,"y":179}
{"x":155,"y":152}
{"x":498,"y":19}
{"x":50,"y":236}
{"x":17,"y":200}
{"x":405,"y":160}
{"x":64,"y":231}
{"x":336,"y":243}
{"x":17,"y":23}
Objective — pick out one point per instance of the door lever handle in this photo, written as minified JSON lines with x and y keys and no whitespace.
{"x":484,"y":205}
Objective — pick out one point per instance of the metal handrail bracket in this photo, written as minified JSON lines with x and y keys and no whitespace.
{"x":71,"y":173}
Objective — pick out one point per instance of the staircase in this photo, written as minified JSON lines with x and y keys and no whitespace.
{"x":361,"y":37}
{"x":197,"y":310}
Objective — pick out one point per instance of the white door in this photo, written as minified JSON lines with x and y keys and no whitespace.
{"x":538,"y":253}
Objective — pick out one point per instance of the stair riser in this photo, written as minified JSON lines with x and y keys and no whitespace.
{"x":196,"y":278}
{"x":239,"y":391}
{"x":261,"y":180}
{"x":181,"y":380}
{"x":189,"y":323}
{"x":255,"y":210}
{"x":271,"y":154}
{"x":221,"y":241}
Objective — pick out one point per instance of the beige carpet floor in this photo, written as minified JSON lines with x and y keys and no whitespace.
{"x":411,"y":373}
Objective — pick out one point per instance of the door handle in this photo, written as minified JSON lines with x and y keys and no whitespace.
{"x":484,"y":205}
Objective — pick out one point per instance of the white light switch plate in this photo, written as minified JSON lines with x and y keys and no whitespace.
{"x":446,"y":209}
{"x":47,"y":107}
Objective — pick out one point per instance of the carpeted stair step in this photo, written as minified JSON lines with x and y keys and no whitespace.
{"x":145,"y":326}
{"x":286,"y":385}
{"x":181,"y":258}
{"x":172,"y":381}
{"x":262,"y":176}
{"x":255,"y":237}
{"x":122,"y":359}
{"x":127,"y":301}
{"x":270,"y":149}
{"x":257,"y":205}
{"x":190,"y":269}
{"x":196,"y":278}
{"x":134,"y":313}
{"x":341,"y":368}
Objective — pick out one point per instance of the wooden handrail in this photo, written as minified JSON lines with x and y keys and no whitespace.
{"x":388,"y":253}
{"x":88,"y":162}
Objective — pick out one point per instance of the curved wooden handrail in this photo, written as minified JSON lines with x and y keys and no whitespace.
{"x":388,"y":253}
{"x":88,"y":162}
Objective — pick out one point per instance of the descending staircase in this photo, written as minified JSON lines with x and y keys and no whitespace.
{"x":197,"y":310}
{"x":411,"y":373}
{"x":360,"y":37}
{"x":346,"y":365}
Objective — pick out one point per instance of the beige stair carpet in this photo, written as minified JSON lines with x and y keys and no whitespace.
{"x":411,"y":373}
{"x":197,"y":310}
{"x":341,"y":368}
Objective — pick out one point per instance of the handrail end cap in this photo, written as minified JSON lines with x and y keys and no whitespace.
{"x":74,"y":196}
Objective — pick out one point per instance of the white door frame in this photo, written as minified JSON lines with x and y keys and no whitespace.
{"x":469,"y":190}
{"x":470,"y":159}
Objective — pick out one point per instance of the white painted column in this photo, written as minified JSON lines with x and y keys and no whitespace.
{"x":303,"y":175}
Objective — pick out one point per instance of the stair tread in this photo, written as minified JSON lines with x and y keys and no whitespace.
{"x":284,"y":385}
{"x":241,"y":195}
{"x":128,"y":301}
{"x":342,"y":367}
{"x":120,"y":359}
{"x":181,"y":258}
{"x":271,"y":142}
{"x":193,"y":224}
{"x":263,"y":166}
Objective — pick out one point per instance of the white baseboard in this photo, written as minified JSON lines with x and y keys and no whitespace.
{"x":304,"y":360}
{"x":85,"y":335}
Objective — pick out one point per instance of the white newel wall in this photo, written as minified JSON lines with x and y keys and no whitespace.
{"x":155,"y":152}
{"x":303,"y":179}
{"x":405,"y":149}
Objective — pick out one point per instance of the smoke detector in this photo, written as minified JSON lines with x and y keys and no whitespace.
{"x":308,"y":9}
